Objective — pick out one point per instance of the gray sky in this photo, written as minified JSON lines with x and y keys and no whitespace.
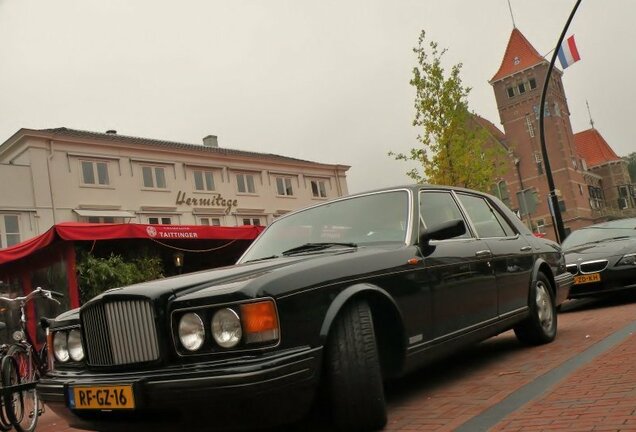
{"x":321,"y":80}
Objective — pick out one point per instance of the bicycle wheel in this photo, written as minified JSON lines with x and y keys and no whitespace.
{"x":22,"y":407}
{"x":5,"y":424}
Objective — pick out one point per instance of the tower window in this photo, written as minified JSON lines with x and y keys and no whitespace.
{"x":533,"y":83}
{"x":522,"y":88}
{"x":511,"y":92}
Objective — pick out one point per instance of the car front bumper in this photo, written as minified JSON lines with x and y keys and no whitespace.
{"x":613,"y":279}
{"x":276,"y":388}
{"x":564,"y":282}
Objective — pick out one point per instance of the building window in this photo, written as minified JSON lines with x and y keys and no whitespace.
{"x":540,"y":226}
{"x":530,"y":127}
{"x":318,"y":189}
{"x":245,"y":183}
{"x":256,"y":221}
{"x":596,"y":197}
{"x":94,"y":173}
{"x":101,"y":219}
{"x":284,"y":186}
{"x":203,"y":180}
{"x":533,"y":83}
{"x":557,"y":110}
{"x":522,"y":88}
{"x":159,"y":220}
{"x":540,"y":167}
{"x":623,"y":197}
{"x":546,"y":111}
{"x":500,"y":190}
{"x":511,"y":92}
{"x":208,"y":221}
{"x":9,"y":230}
{"x":154,"y":177}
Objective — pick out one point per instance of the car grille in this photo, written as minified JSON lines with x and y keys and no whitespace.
{"x":119,"y":333}
{"x":572,"y":268}
{"x":593,"y":266}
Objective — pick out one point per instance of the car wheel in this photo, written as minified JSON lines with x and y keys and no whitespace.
{"x":353,"y":372}
{"x":541,"y":326}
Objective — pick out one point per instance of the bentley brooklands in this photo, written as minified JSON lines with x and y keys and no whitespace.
{"x":324,"y":306}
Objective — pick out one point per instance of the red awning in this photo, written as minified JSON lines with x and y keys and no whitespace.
{"x":88,"y":231}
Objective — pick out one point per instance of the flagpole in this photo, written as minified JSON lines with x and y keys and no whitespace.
{"x":559,"y":229}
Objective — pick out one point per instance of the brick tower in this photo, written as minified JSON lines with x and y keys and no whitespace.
{"x":517,"y":86}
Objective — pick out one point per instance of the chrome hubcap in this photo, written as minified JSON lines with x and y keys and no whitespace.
{"x":544,"y":306}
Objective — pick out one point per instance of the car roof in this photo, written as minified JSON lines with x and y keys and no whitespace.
{"x":629,"y":223}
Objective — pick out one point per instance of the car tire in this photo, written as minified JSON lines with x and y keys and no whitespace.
{"x":540,"y":326}
{"x":354,"y":376}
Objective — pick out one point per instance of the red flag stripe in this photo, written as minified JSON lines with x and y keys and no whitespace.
{"x":573,"y":50}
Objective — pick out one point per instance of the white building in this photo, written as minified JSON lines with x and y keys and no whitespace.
{"x":57,"y":175}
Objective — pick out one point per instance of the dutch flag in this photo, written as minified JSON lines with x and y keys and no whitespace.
{"x":568,"y":53}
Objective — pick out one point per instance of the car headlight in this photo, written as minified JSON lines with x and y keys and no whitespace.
{"x":226,"y":328}
{"x":60,"y":346}
{"x":191,"y":331}
{"x":75,"y":348}
{"x":629,"y":259}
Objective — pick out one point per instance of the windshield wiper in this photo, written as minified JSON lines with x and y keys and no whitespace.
{"x":310,"y":247}
{"x":617,"y":238}
{"x":261,"y":259}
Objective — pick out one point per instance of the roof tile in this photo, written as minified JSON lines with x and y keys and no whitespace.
{"x":66,"y":132}
{"x":520,"y":55}
{"x":593,"y":148}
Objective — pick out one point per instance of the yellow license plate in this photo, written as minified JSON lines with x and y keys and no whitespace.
{"x":588,"y":278}
{"x":108,"y":397}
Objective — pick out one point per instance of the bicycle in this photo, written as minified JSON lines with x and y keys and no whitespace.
{"x":20,"y":370}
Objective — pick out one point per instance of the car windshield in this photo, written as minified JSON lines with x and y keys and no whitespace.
{"x":596,"y":235}
{"x":357,"y":221}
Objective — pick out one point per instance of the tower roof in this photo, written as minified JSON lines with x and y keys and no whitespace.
{"x":520,"y":55}
{"x":593,"y":148}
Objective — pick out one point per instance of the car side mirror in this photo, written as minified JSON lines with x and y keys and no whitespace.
{"x":443,"y":231}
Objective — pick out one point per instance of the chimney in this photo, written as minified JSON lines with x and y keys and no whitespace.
{"x":211,"y":141}
{"x":111,"y":132}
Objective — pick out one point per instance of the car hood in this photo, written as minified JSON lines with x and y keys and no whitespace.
{"x":273,"y":278}
{"x":601,"y":250}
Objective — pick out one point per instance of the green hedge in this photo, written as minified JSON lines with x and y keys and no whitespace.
{"x":97,"y":275}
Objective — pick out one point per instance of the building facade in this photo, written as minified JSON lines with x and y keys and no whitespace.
{"x":55,"y":175}
{"x":586,"y":190}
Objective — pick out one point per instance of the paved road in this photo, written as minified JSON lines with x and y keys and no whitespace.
{"x":584,"y":381}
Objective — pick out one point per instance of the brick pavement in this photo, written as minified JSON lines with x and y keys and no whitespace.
{"x":599,"y":396}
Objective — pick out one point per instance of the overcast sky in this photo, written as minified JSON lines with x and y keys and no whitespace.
{"x":321,"y":80}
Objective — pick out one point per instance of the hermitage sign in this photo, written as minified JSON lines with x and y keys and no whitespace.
{"x":216,"y":200}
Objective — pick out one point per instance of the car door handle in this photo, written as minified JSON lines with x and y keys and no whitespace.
{"x":483,"y":253}
{"x":525,"y":248}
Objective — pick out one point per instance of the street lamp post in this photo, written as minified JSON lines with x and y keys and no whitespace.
{"x":554,"y":199}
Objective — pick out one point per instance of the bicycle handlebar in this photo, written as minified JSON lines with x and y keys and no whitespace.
{"x":39,"y":291}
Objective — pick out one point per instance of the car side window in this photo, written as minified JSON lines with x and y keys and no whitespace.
{"x":437,"y":207}
{"x":486,"y":220}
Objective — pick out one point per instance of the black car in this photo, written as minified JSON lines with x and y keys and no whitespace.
{"x":602,"y":258}
{"x":327,"y":303}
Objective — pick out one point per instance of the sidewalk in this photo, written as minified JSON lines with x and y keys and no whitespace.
{"x":598,"y":397}
{"x":445,"y":396}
